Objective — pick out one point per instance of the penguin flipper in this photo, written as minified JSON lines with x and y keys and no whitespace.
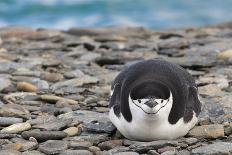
{"x":193,"y":104}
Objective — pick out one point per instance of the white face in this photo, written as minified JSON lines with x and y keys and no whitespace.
{"x":141,"y":104}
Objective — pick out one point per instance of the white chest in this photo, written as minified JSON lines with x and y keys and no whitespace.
{"x":147,"y":127}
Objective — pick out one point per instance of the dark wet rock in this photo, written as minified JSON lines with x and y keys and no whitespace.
{"x":5,"y":121}
{"x":93,"y":138}
{"x":215,"y":148}
{"x":76,"y":152}
{"x":53,"y":147}
{"x":44,"y":135}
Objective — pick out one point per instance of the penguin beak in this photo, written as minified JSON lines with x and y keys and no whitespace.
{"x":151,"y":103}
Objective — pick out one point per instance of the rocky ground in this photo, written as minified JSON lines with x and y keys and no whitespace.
{"x":54,"y":88}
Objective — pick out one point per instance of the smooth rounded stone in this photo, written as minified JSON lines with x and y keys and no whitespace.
{"x":34,"y":152}
{"x":27,"y":87}
{"x":191,"y":140}
{"x":42,"y":119}
{"x":40,"y":84}
{"x":216,"y":148}
{"x":73,"y":74}
{"x":16,"y":128}
{"x":126,"y":153}
{"x":10,"y":152}
{"x":53,"y":147}
{"x":76,"y":152}
{"x":81,"y":145}
{"x":207,"y":131}
{"x":26,"y":72}
{"x":86,"y":79}
{"x":44,"y":135}
{"x":4,"y":83}
{"x":6,"y":121}
{"x":107,"y":145}
{"x":72,"y":131}
{"x":55,"y":125}
{"x":51,"y":77}
{"x":93,"y":138}
{"x":54,"y":99}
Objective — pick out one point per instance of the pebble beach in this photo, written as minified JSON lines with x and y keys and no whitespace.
{"x":55,"y":88}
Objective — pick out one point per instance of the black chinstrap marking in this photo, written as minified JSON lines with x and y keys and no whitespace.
{"x":148,"y":112}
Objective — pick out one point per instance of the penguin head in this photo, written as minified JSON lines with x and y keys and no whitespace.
{"x":150,"y":97}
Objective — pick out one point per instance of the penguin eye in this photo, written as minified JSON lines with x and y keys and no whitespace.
{"x":139,"y":101}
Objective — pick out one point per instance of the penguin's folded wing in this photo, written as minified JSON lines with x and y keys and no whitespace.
{"x":193,"y":104}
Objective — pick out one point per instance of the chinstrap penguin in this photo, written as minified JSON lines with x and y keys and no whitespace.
{"x":154,"y":99}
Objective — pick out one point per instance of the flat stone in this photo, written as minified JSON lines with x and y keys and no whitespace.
{"x":210,"y":90}
{"x":216,"y":148}
{"x":6,"y":121}
{"x":86,"y":79}
{"x":10,"y":152}
{"x":54,"y":125}
{"x":207,"y":131}
{"x":81,"y":145}
{"x":53,"y":147}
{"x":44,"y":135}
{"x":107,"y":145}
{"x":143,"y":147}
{"x":25,"y":144}
{"x":72,"y":131}
{"x":42,"y":119}
{"x":54,"y":99}
{"x":34,"y":152}
{"x":16,"y":128}
{"x":93,"y":138}
{"x":76,"y":152}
